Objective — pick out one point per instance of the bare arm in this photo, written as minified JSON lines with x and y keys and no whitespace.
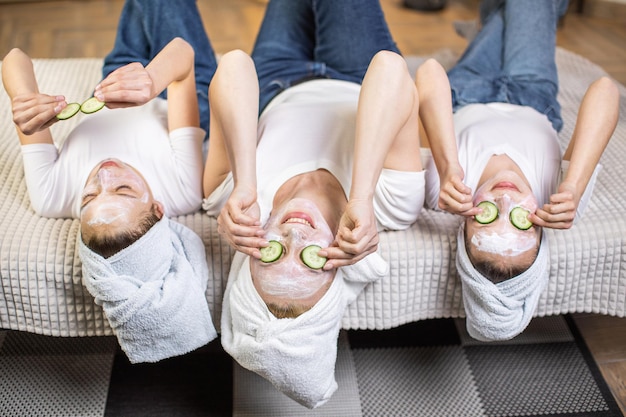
{"x":181,"y":93}
{"x":171,"y":68}
{"x":386,"y":126}
{"x":234,"y":97}
{"x":33,"y":112}
{"x":386,"y":136}
{"x":596,"y":122}
{"x":436,"y":117}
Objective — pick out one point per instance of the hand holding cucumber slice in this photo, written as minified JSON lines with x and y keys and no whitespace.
{"x":489,"y":213}
{"x":70,"y":110}
{"x":519,"y":218}
{"x":91,"y":105}
{"x":271,"y":252}
{"x":310,"y":257}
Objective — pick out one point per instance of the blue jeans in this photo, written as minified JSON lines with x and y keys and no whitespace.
{"x":146,"y":26}
{"x":305,"y":39}
{"x":512,"y":59}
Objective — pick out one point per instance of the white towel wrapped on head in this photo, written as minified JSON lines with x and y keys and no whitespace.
{"x":297,"y":355}
{"x":500,"y":311}
{"x":153,"y":292}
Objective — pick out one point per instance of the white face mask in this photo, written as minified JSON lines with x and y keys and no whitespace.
{"x":295,"y":225}
{"x":108,"y":213}
{"x":504,"y":244}
{"x":500,"y":237}
{"x":288,"y":281}
{"x":114,"y":194}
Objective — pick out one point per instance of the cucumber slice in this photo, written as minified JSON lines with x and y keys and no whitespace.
{"x":310,"y":257}
{"x":70,"y":110}
{"x":519,"y":218}
{"x":489,"y":214}
{"x":91,"y":105}
{"x":271,"y":252}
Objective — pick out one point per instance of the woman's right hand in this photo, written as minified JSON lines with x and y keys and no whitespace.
{"x":127,"y":86}
{"x":239,"y":222}
{"x":34,"y":112}
{"x":454,"y":196}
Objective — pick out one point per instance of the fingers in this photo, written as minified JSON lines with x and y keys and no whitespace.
{"x":348,"y":250}
{"x":455,"y":206}
{"x":461,"y":188}
{"x":35,"y":112}
{"x":456,"y":197}
{"x":126,"y":86}
{"x":353,"y":247}
{"x":229,"y":225}
{"x":559,"y":213}
{"x":338,"y":258}
{"x":561,"y":220}
{"x":471,"y":212}
{"x":237,"y":216}
{"x":248,"y":244}
{"x":562,"y":201}
{"x":242,"y":232}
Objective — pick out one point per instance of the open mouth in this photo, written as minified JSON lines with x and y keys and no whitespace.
{"x":505,"y":185}
{"x":299,"y":218}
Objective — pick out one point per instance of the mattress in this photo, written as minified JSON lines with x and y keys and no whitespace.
{"x":40,"y":273}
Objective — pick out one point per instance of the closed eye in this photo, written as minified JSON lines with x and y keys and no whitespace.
{"x":125,"y":190}
{"x":86,"y":199}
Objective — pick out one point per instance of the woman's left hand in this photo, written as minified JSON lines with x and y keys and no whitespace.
{"x":561,"y":211}
{"x":357,"y":235}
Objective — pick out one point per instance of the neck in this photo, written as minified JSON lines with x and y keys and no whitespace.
{"x":319,"y":186}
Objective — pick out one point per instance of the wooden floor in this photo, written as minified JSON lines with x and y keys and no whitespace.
{"x":86,"y":28}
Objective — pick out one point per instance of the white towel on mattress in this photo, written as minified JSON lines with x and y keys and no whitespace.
{"x":500,"y":311}
{"x":153,"y":292}
{"x":297,"y":355}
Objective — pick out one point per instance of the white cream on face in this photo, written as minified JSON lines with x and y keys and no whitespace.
{"x":501,"y":237}
{"x":288,"y":282}
{"x":504,"y":244}
{"x":116,"y":194}
{"x":288,"y":278}
{"x":110,"y":212}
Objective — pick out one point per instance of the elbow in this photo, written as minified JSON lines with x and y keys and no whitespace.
{"x":14,"y":52}
{"x":390,"y":60}
{"x":17,"y":59}
{"x":391,"y":67}
{"x":429,"y":69}
{"x":394,"y":68}
{"x":236,"y":58}
{"x":236,"y":61}
{"x":606,"y":98}
{"x":184,"y":47}
{"x":608,"y":88}
{"x":234,"y":68}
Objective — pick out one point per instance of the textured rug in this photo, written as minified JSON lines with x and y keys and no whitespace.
{"x":429,"y":368}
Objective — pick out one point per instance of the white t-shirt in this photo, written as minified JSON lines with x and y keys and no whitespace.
{"x":522,"y":133}
{"x":312,"y":126}
{"x":171,"y":163}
